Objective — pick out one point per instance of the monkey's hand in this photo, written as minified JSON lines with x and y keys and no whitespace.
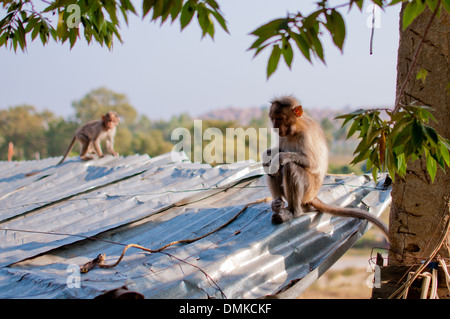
{"x":293,"y":157}
{"x":266,"y":157}
{"x":272,"y":168}
{"x":277,"y":205}
{"x":270,"y":165}
{"x":285,"y":157}
{"x":280,"y":159}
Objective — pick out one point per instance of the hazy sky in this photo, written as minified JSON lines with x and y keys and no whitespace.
{"x":165,"y":72}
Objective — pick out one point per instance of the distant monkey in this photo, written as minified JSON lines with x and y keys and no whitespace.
{"x":296,"y":173}
{"x":91,"y":134}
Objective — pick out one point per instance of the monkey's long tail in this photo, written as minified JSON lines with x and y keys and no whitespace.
{"x":68,"y":150}
{"x":350,"y":212}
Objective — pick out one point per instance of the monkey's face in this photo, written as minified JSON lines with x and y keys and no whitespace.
{"x":110,"y":120}
{"x":281,"y":121}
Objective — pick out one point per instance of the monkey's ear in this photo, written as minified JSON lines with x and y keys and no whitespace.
{"x":298,"y":110}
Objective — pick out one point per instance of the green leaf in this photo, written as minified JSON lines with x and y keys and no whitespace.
{"x":98,"y":19}
{"x":369,"y":163}
{"x":422,"y":75}
{"x":423,"y":113}
{"x":401,"y":164}
{"x":431,"y":167}
{"x":363,"y":126}
{"x":353,"y":128}
{"x":350,"y":116}
{"x":394,"y":2}
{"x":359,"y":3}
{"x":61,"y":26}
{"x":369,"y":140}
{"x":187,"y":13}
{"x":432,"y":4}
{"x":271,"y":28}
{"x":446,"y":5}
{"x":220,"y":19}
{"x":312,"y":20}
{"x":336,"y":25}
{"x":110,"y":7}
{"x":412,"y":10}
{"x":260,"y":48}
{"x":158,"y":8}
{"x":401,"y":125}
{"x":392,"y":169}
{"x":213,"y":4}
{"x":258,"y":44}
{"x":316,"y":44}
{"x":288,"y":54}
{"x":167,"y":10}
{"x":379,"y":3}
{"x":431,"y":135}
{"x":176,"y":9}
{"x":273,"y":60}
{"x":203,"y":18}
{"x":302,"y":44}
{"x":363,"y":155}
{"x":347,"y":119}
{"x":127,"y":6}
{"x":344,"y":116}
{"x":210,"y":29}
{"x":445,"y":141}
{"x":375,"y":174}
{"x":3,"y":39}
{"x":417,"y":136}
{"x":35,"y":31}
{"x":444,"y":151}
{"x":31,"y":24}
{"x":20,"y":35}
{"x":43,"y":34}
{"x":73,"y":35}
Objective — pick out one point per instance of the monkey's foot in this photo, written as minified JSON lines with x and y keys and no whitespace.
{"x":308,"y":208}
{"x":282,"y":216}
{"x":277,"y":205}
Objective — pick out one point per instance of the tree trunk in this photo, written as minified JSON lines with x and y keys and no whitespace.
{"x":420,"y":209}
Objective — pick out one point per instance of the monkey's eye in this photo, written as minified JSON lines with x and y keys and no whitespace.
{"x":277,"y":119}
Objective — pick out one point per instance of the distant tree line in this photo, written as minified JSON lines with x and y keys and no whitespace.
{"x":43,"y":134}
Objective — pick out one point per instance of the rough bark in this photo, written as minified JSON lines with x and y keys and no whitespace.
{"x":420,"y":208}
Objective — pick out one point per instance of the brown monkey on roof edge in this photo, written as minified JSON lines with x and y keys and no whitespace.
{"x":91,"y":134}
{"x":296,"y":172}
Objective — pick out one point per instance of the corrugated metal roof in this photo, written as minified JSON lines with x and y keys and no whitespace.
{"x":147,"y":201}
